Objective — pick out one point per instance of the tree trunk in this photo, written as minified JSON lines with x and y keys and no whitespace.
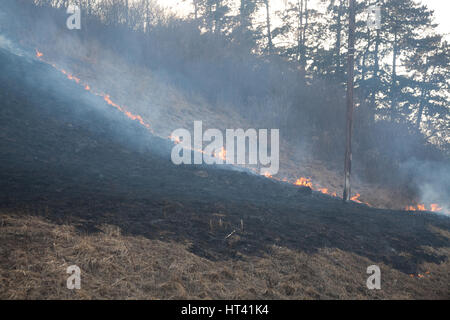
{"x":269,"y":34}
{"x":303,"y":47}
{"x":420,"y":111}
{"x":127,"y":17}
{"x":350,"y":104}
{"x":195,"y":10}
{"x":394,"y":79}
{"x":366,"y":51}
{"x":338,"y":38}
{"x":376,"y":69}
{"x":300,"y":28}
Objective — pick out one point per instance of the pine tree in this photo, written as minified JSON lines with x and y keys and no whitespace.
{"x":429,"y":65}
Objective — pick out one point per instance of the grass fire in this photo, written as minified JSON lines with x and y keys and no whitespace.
{"x":223,"y":150}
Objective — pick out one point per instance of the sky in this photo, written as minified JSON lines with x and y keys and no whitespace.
{"x":440,"y":7}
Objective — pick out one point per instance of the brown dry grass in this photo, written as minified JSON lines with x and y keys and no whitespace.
{"x":35,"y":253}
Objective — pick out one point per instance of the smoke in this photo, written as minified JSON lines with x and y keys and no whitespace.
{"x":174,"y":76}
{"x":9,"y":46}
{"x":432,"y":181}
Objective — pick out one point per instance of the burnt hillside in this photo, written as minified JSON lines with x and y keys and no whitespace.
{"x":68,"y":159}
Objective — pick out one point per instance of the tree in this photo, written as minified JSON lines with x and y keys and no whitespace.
{"x":269,"y":33}
{"x":405,"y":21}
{"x":429,"y":65}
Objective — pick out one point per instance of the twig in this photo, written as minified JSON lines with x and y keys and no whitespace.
{"x":230,"y":234}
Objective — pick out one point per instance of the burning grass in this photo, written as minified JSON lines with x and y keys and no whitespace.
{"x":373,"y":196}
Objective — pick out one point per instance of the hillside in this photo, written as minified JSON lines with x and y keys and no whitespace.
{"x":83,"y":184}
{"x":165,"y":107}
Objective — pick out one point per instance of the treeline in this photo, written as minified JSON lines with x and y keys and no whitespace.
{"x":286,"y":68}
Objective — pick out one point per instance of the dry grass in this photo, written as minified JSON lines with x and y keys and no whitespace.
{"x":36,"y":252}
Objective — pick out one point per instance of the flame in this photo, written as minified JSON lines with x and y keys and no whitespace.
{"x":268,"y":175}
{"x":110,"y":102}
{"x":175,"y":139}
{"x":421,"y":275}
{"x":305,"y":182}
{"x":106,"y":97}
{"x":222,"y":154}
{"x":355,"y":198}
{"x":434,"y":207}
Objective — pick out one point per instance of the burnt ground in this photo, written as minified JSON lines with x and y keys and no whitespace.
{"x":74,"y":170}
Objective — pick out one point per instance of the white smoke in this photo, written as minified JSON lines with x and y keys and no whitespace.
{"x":432,"y":180}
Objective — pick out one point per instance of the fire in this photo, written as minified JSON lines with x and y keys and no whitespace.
{"x":222,"y":154}
{"x":435,"y":207}
{"x":421,"y":207}
{"x":106,"y":97}
{"x":175,"y":139}
{"x":355,"y":198}
{"x":267,"y":175}
{"x":305,"y":182}
{"x":421,"y":275}
{"x":110,"y":102}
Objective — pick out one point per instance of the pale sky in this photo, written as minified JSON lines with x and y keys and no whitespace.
{"x":441,"y":8}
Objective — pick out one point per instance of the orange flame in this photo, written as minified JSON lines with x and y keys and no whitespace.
{"x":305,"y":182}
{"x":355,"y":198}
{"x":421,"y":207}
{"x":106,"y":97}
{"x":222,"y":154}
{"x":175,"y":139}
{"x":435,"y":207}
{"x":268,"y":175}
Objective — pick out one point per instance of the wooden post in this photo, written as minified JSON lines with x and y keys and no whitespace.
{"x":350,"y":104}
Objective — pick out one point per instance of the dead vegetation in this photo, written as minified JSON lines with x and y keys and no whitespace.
{"x":35,"y":253}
